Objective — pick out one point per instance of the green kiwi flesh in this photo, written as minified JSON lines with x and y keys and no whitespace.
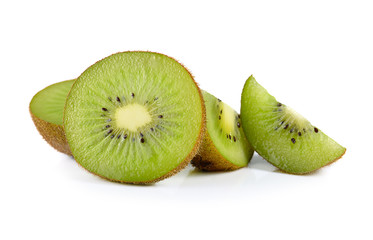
{"x":46,"y":109}
{"x":134,"y":117}
{"x":224,"y":146}
{"x":283,"y":137}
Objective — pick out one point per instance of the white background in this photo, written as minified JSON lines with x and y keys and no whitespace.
{"x":314,"y":56}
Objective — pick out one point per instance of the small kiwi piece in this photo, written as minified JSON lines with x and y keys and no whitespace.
{"x":224,"y":146}
{"x":46,"y":109}
{"x":134,"y":117}
{"x":282,"y":136}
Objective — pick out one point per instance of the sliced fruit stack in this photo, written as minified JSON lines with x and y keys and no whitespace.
{"x":139,"y":117}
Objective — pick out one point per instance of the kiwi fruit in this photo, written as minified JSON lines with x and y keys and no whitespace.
{"x":134,"y":117}
{"x":46,"y":109}
{"x":224,"y":146}
{"x":282,"y":136}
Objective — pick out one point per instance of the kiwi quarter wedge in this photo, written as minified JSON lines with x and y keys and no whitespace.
{"x":46,"y":109}
{"x":224,"y":146}
{"x":282,"y":136}
{"x":134,"y":117}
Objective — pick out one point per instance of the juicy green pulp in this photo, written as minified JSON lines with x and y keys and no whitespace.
{"x":310,"y":152}
{"x":49,"y":103}
{"x":238,"y":153}
{"x":148,"y":76}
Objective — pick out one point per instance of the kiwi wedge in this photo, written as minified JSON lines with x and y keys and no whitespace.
{"x":134,"y":117}
{"x":46,"y":109}
{"x":282,"y":136}
{"x":224,"y":146}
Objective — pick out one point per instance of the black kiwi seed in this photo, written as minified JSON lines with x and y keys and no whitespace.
{"x":282,"y":123}
{"x":230,"y":137}
{"x":132,"y":95}
{"x":316,"y":130}
{"x":219,"y":100}
{"x":293,"y":140}
{"x":110,"y":131}
{"x":118,"y":99}
{"x":238,"y":124}
{"x":221,"y":111}
{"x":291,"y":130}
{"x":279,"y":104}
{"x":299,"y":134}
{"x":142,"y":140}
{"x":287,"y":125}
{"x":227,"y":136}
{"x":152,"y":129}
{"x":155,"y":99}
{"x":239,"y":116}
{"x":107,"y":126}
{"x":234,"y":138}
{"x":160,"y":116}
{"x":118,"y":136}
{"x":112,"y":136}
{"x":141,"y":134}
{"x":104,"y":109}
{"x":219,"y":117}
{"x":125,"y":136}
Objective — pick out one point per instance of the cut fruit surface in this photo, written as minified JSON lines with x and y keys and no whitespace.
{"x":48,"y":104}
{"x":224,"y":146}
{"x":46,"y":109}
{"x":135,"y":117}
{"x":282,"y":136}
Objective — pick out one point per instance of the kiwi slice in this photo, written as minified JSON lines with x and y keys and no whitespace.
{"x":224,"y":146}
{"x":134,"y":117}
{"x":46,"y":109}
{"x":282,"y":136}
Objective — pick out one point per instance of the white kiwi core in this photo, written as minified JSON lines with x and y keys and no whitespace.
{"x":132,"y":117}
{"x":296,"y":119}
{"x":227,"y":118}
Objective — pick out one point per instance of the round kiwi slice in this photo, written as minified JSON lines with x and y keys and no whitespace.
{"x":224,"y":146}
{"x":46,"y":109}
{"x":282,"y":136}
{"x":134,"y":117}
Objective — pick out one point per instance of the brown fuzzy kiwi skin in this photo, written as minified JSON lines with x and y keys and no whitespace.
{"x":52,"y":133}
{"x":191,"y":154}
{"x":210,"y":159}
